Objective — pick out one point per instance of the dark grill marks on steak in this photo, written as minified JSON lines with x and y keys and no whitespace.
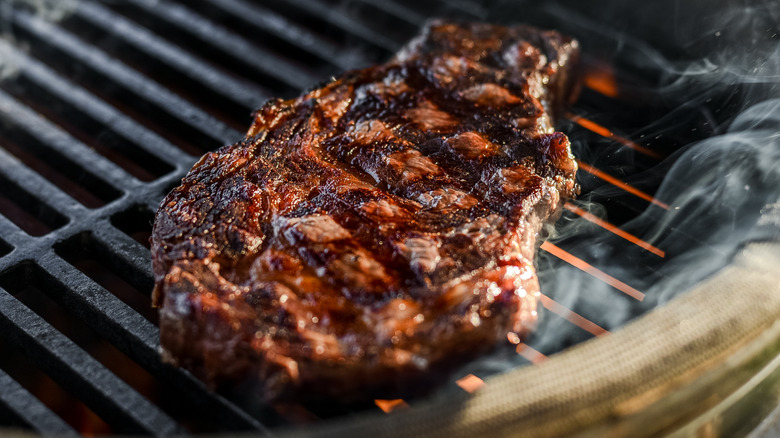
{"x":377,"y":229}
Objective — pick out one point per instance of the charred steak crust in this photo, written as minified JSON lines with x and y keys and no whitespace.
{"x":376,"y":228}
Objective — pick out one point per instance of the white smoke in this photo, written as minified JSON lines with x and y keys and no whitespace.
{"x":51,"y":10}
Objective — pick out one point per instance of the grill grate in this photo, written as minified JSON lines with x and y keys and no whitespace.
{"x":110,"y":107}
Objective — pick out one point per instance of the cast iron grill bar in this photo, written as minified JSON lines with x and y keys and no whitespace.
{"x":397,"y":10}
{"x":20,"y":403}
{"x":376,"y":16}
{"x":475,"y":9}
{"x":97,"y":109}
{"x":238,"y":91}
{"x":130,"y":256}
{"x":124,"y":76}
{"x":433,"y":8}
{"x":262,"y":60}
{"x":12,"y":234}
{"x":55,"y":138}
{"x":123,"y":327}
{"x":346,"y":23}
{"x":280,"y":26}
{"x":136,"y":337}
{"x":48,"y":198}
{"x":79,"y":373}
{"x":446,"y":8}
{"x":5,"y":248}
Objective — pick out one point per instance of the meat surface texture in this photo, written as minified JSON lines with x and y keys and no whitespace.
{"x":377,"y":230}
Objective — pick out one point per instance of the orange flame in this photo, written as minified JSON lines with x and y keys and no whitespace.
{"x":601,"y":79}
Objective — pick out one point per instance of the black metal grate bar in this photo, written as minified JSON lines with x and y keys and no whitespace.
{"x":398,"y":10}
{"x":262,"y":60}
{"x":279,"y":26}
{"x":129,"y":331}
{"x":123,"y":76}
{"x":12,"y":233}
{"x":28,"y":190}
{"x":132,"y":257}
{"x":345,"y":23}
{"x":80,"y":99}
{"x":186,"y":65}
{"x":29,"y":410}
{"x":80,"y":373}
{"x":65,"y":145}
{"x":444,"y":8}
{"x":475,"y":9}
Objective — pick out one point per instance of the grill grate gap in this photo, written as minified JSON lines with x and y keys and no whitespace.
{"x":30,"y":293}
{"x":82,"y":185}
{"x":228,"y":63}
{"x":9,"y":418}
{"x":432,"y":8}
{"x":5,"y":248}
{"x":52,"y":395}
{"x":621,"y":205}
{"x":397,"y":29}
{"x":143,"y":106}
{"x":254,"y":22}
{"x":102,"y":265}
{"x":336,"y":31}
{"x":137,"y":162}
{"x":136,"y":222}
{"x":397,"y":10}
{"x":548,"y":318}
{"x":233,"y":113}
{"x":41,"y":293}
{"x":26,"y":211}
{"x":186,"y":399}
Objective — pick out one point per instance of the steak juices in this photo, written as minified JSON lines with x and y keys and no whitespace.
{"x":376,"y":230}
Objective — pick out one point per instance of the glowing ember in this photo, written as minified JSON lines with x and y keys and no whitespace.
{"x":601,"y":79}
{"x":470,"y":383}
{"x":391,"y":405}
{"x":573,"y":317}
{"x":529,"y":353}
{"x":606,"y":133}
{"x":590,"y":269}
{"x":618,"y":183}
{"x":613,"y":229}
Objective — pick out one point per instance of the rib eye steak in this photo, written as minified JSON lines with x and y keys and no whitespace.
{"x":375,"y":229}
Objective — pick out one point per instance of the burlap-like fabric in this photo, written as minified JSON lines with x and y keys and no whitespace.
{"x":658,"y":372}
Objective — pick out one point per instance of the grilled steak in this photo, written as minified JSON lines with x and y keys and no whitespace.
{"x":375,"y":229}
